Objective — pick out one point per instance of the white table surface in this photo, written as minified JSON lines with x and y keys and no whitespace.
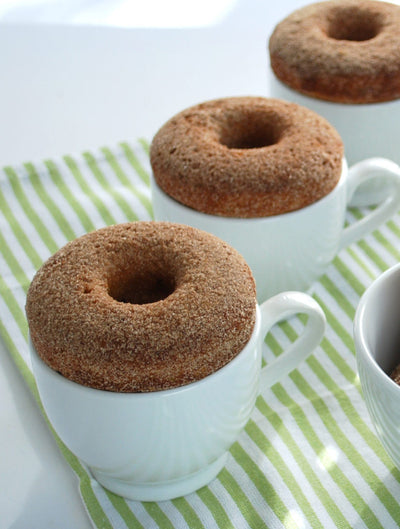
{"x":66,"y":88}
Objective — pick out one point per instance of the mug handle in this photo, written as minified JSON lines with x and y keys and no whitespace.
{"x":389,"y":178}
{"x":281,"y":307}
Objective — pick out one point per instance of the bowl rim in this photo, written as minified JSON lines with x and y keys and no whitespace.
{"x":363,"y":350}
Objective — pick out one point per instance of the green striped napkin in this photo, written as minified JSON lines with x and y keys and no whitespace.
{"x":308,"y":457}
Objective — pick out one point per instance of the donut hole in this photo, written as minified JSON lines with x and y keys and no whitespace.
{"x":140,"y":288}
{"x":353,"y":24}
{"x":250,"y":131}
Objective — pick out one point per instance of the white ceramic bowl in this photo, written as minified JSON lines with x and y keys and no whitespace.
{"x":377,"y":342}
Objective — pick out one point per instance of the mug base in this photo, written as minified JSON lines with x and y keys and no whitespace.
{"x":163,"y":490}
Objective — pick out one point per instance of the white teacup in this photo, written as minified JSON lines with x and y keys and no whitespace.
{"x":377,"y":342}
{"x":160,"y":445}
{"x":367,"y":130}
{"x":290,"y":251}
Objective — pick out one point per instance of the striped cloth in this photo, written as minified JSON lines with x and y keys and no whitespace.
{"x":308,"y":456}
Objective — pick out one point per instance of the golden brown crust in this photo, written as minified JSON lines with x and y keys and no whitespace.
{"x":142,"y":306}
{"x":246,"y":157}
{"x":346,"y":51}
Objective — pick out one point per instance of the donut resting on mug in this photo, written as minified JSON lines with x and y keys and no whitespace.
{"x":142,"y":306}
{"x":246,"y":157}
{"x":344,"y":51}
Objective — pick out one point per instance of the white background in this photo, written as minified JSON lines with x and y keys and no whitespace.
{"x":71,"y":86}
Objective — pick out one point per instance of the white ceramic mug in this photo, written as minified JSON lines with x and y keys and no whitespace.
{"x":377,"y":343}
{"x":367,"y":130}
{"x":164,"y":444}
{"x":290,"y":251}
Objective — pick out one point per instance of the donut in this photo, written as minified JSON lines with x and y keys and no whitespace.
{"x":246,"y":157}
{"x":344,"y":51}
{"x":141,"y":306}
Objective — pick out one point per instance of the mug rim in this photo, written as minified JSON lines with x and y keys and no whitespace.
{"x":101,"y":393}
{"x":362,"y":348}
{"x":271,"y":218}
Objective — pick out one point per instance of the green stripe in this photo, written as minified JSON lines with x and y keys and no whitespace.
{"x":258,"y":478}
{"x":188,"y":513}
{"x":69,"y":195}
{"x":339,"y":297}
{"x":135,"y":163}
{"x":260,"y":481}
{"x":393,"y":227}
{"x":349,"y":276}
{"x":14,"y":307}
{"x":345,"y":403}
{"x":351,"y":376}
{"x":344,"y":336}
{"x":122,"y":177}
{"x":387,"y":245}
{"x":52,"y":207}
{"x":344,"y":483}
{"x":104,"y":212}
{"x":287,"y":476}
{"x":93,"y":506}
{"x":119,"y":199}
{"x":29,"y":211}
{"x":373,"y":256}
{"x":370,"y":252}
{"x":124,"y":511}
{"x":243,"y":503}
{"x":332,"y":427}
{"x":145,"y":144}
{"x":158,"y":515}
{"x":381,"y":239}
{"x":351,"y":413}
{"x":17,"y":358}
{"x":19,"y":233}
{"x":327,"y":380}
{"x":276,"y":421}
{"x":215,"y":508}
{"x":13,"y":263}
{"x":339,"y":362}
{"x":360,"y":262}
{"x":330,"y":423}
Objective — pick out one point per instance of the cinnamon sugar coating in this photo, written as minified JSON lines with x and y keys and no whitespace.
{"x":246,"y":157}
{"x":142,"y":306}
{"x":345,"y":51}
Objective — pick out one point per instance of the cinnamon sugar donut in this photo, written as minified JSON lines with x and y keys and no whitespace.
{"x":142,"y":306}
{"x":246,"y":157}
{"x":345,"y":51}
